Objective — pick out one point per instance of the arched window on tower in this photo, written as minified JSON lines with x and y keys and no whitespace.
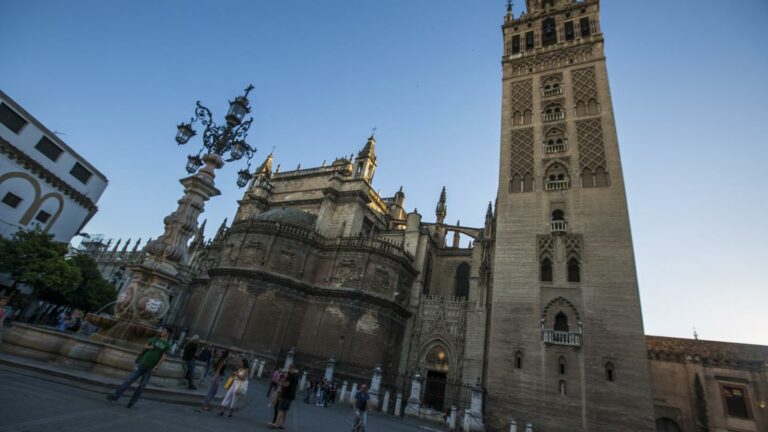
{"x":562,"y":365}
{"x":581,"y":109}
{"x":556,"y":177}
{"x":528,"y":183}
{"x":558,"y":223}
{"x":574,"y":270}
{"x":561,"y":322}
{"x":593,"y":107}
{"x":548,"y":32}
{"x":555,"y":141}
{"x":527,"y":117}
{"x":554,"y":112}
{"x":552,"y":87}
{"x":601,"y":177}
{"x":461,"y":289}
{"x":562,"y":388}
{"x":516,"y":184}
{"x":610,"y":373}
{"x":546,"y":270}
{"x":517,"y":118}
{"x":519,"y":360}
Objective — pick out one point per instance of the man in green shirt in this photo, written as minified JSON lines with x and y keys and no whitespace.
{"x":147,"y":362}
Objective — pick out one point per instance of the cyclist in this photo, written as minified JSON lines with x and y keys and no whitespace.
{"x":361,"y":403}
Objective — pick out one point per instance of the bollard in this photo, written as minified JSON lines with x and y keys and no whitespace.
{"x":452,"y":419}
{"x":261,"y":369}
{"x":385,"y":402}
{"x":513,"y":426}
{"x":398,"y":404}
{"x":343,"y":393}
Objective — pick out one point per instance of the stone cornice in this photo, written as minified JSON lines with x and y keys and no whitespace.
{"x":33,"y":166}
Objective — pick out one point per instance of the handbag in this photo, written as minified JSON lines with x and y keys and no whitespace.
{"x":243,"y":388}
{"x":228,"y":383}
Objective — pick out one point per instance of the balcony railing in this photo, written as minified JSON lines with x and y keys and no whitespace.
{"x":558,"y":226}
{"x":557,"y":184}
{"x":554,"y":117}
{"x":556,"y":148}
{"x":552,"y":92}
{"x":561,"y":337}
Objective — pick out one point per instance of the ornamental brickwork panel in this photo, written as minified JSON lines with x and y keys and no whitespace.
{"x":522,"y":96}
{"x":589,"y":134}
{"x":521,"y":153}
{"x":584,"y":85}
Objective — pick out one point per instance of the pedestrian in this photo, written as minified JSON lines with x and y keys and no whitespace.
{"x":275,"y":399}
{"x":237,"y":387}
{"x":147,"y":362}
{"x":188,"y":356}
{"x":206,"y":356}
{"x":63,"y":320}
{"x":75,"y":322}
{"x":308,"y":389}
{"x":321,"y":388}
{"x":275,"y":380}
{"x":219,"y":370}
{"x":287,"y":395}
{"x":332,"y":394}
{"x":361,"y":403}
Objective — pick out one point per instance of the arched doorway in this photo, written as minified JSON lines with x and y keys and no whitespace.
{"x":666,"y":425}
{"x":436,"y":364}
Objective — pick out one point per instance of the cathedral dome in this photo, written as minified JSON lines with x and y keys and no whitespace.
{"x":289,"y":215}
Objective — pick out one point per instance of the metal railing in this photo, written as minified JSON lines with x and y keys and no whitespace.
{"x":561,"y":337}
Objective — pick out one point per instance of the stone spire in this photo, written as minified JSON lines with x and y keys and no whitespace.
{"x":265,"y":169}
{"x":221,"y":231}
{"x":365,"y":163}
{"x":117,"y":245}
{"x":457,"y":236}
{"x":442,"y":209}
{"x":489,"y":220}
{"x":136,"y":246}
{"x":125,"y":246}
{"x":199,"y":236}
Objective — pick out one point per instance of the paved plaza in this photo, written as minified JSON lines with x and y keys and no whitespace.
{"x":30,"y":403}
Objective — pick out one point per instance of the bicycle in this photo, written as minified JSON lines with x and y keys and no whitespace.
{"x":358,"y":426}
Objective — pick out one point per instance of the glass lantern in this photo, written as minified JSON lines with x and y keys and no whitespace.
{"x":185,"y":133}
{"x":193,"y":163}
{"x":239,"y":148}
{"x":243,"y":176}
{"x":237,"y":111}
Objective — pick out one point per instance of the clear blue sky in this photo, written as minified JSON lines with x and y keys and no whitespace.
{"x":688,"y":83}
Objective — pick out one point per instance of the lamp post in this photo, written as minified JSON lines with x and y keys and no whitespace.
{"x":160,"y":276}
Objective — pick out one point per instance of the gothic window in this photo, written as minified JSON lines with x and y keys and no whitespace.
{"x":610,"y":374}
{"x":581,"y":109}
{"x":562,"y":365}
{"x":574,"y":270}
{"x":551,"y":87}
{"x":529,"y":40}
{"x":593,"y":107}
{"x":516,"y":184}
{"x":554,"y":112}
{"x":587,"y":179}
{"x":556,"y":177}
{"x":528,"y":183}
{"x":546,"y":270}
{"x":515,"y":44}
{"x":558,"y":215}
{"x":736,"y":401}
{"x":601,"y":177}
{"x":527,"y":117}
{"x":462,"y":281}
{"x":437,"y":358}
{"x":548,"y":32}
{"x":518,"y":360}
{"x":517,"y":118}
{"x":562,"y":388}
{"x":555,"y":141}
{"x":584,"y":27}
{"x":561,"y":322}
{"x":570,"y":33}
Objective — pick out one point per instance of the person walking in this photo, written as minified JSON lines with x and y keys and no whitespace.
{"x":189,"y":355}
{"x":206,"y":356}
{"x":147,"y":362}
{"x":361,"y":403}
{"x":219,"y":370}
{"x":238,"y":388}
{"x":321,"y":388}
{"x":287,"y":395}
{"x":331,"y":394}
{"x":275,"y":380}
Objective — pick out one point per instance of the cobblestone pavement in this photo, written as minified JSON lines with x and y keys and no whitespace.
{"x":31,"y":404}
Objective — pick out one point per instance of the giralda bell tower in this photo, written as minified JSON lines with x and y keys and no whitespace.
{"x":566,"y":348}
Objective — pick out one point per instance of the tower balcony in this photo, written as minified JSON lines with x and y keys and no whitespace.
{"x":558,"y":226}
{"x":555,"y":337}
{"x":554,"y":117}
{"x":556,"y":148}
{"x":551,"y":185}
{"x":552,"y":92}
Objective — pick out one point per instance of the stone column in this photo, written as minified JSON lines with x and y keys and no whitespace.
{"x":398,"y":404}
{"x":375,"y":386}
{"x":329,"y":366}
{"x":343,"y":392}
{"x":289,"y":358}
{"x":414,"y":401}
{"x":261,"y":368}
{"x":303,"y":381}
{"x":385,"y":402}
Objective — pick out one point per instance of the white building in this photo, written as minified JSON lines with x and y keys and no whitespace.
{"x":42,"y":180}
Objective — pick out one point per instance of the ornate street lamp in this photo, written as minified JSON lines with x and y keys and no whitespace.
{"x":225,"y":142}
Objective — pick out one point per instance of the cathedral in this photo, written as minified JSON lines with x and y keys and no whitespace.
{"x":540,"y":310}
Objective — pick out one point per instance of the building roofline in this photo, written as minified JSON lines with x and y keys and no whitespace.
{"x":52,"y":136}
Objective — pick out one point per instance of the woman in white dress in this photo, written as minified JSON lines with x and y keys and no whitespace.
{"x":238,"y":388}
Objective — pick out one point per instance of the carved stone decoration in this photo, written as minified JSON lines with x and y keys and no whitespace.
{"x":584,"y":85}
{"x":283,"y":262}
{"x":254,"y":251}
{"x":346,"y":273}
{"x":573,"y":245}
{"x":380,"y":282}
{"x":545,"y":245}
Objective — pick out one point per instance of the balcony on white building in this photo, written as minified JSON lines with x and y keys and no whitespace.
{"x":558,"y":226}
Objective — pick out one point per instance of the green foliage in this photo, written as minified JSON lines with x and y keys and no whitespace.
{"x":93,"y":292}
{"x":35,"y":259}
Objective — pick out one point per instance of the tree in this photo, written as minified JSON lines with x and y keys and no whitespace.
{"x":93,"y":292}
{"x":35,"y":259}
